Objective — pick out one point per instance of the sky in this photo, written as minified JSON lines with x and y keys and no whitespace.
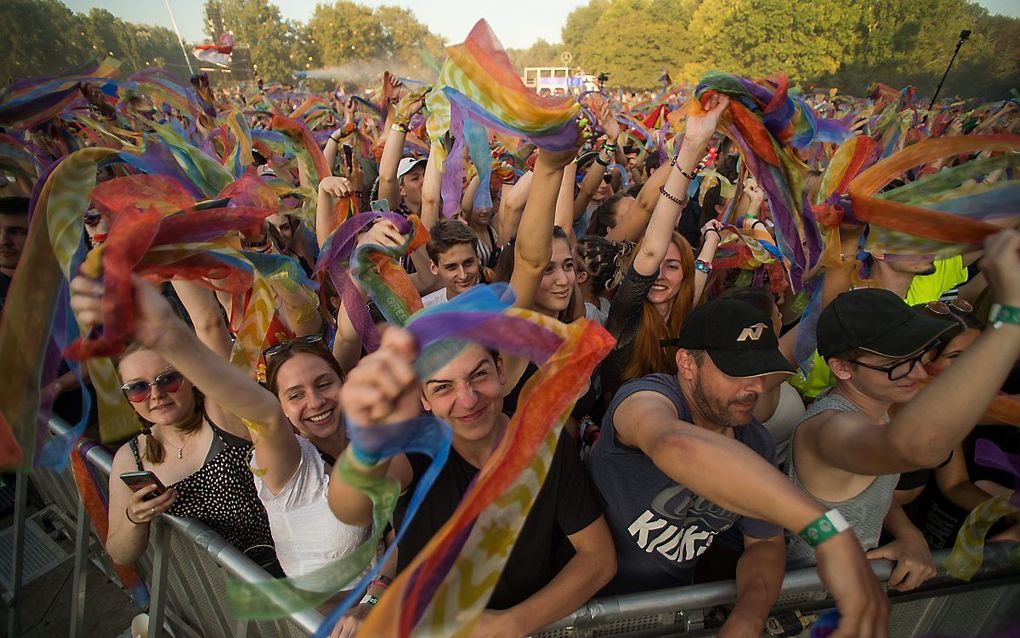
{"x":518,"y":23}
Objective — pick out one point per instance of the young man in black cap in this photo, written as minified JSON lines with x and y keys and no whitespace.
{"x":847,"y":452}
{"x":681,"y":459}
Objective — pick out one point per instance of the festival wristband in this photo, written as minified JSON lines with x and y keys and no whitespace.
{"x":703,"y":266}
{"x":399,"y":128}
{"x":369,"y":599}
{"x":824,"y":527}
{"x":1001,"y":314}
{"x":382,"y":582}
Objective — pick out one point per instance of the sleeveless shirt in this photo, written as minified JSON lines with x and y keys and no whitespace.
{"x":865,"y":512}
{"x":222,"y":495}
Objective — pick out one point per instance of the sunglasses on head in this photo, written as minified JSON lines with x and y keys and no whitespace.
{"x":138,"y":391}
{"x":943,"y":308}
{"x":272,"y":351}
{"x":92,"y":218}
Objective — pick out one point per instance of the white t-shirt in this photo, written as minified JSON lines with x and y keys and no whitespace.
{"x":306,"y":533}
{"x":435,"y":298}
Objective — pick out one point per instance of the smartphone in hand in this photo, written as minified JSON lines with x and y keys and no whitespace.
{"x":138,"y":480}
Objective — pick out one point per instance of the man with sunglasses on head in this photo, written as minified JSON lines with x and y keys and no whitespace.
{"x":847,"y":453}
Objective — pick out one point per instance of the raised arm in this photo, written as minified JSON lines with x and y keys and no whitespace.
{"x":927,"y":428}
{"x":389,"y":186}
{"x":564,"y":217}
{"x":512,"y":205}
{"x":700,"y":128}
{"x":533,"y":248}
{"x":750,"y":486}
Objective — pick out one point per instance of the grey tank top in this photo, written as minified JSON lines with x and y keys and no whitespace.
{"x":865,"y":512}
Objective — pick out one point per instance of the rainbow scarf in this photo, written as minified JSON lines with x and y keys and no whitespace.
{"x":767,"y":124}
{"x":945,"y":213}
{"x":446,"y":587}
{"x":32,"y":102}
{"x":335,"y":260}
{"x":478,"y":84}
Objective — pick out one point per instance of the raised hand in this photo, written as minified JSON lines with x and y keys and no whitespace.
{"x":701,"y":127}
{"x":336,"y":186}
{"x":383,"y":387}
{"x":153,"y":314}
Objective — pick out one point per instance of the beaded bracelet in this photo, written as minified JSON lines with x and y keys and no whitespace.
{"x":671,"y":196}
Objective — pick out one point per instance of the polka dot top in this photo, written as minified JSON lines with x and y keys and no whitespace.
{"x":222,"y":495}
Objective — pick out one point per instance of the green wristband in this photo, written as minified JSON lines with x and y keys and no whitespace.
{"x":1004,"y":314}
{"x":824,"y":527}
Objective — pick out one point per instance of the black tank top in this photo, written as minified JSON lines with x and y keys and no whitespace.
{"x":222,"y":495}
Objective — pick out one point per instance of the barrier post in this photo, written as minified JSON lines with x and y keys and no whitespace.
{"x":18,"y":552}
{"x":160,"y":566}
{"x":81,"y":563}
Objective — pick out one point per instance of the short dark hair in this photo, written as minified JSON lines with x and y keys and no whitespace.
{"x":14,"y":205}
{"x":446,"y":234}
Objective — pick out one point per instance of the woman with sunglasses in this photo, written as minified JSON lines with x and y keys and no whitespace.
{"x":191,"y":446}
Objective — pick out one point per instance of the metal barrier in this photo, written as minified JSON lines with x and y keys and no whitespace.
{"x":187,"y":564}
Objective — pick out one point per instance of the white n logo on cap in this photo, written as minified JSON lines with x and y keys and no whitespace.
{"x":752,"y":332}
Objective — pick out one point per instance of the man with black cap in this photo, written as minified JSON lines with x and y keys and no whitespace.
{"x":681,"y":459}
{"x":847,"y":452}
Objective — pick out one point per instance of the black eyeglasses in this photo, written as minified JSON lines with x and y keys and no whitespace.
{"x":607,"y":178}
{"x":138,"y":391}
{"x":272,"y":351}
{"x":92,"y":218}
{"x":904,"y":367}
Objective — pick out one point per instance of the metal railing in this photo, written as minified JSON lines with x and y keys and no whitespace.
{"x":187,"y":564}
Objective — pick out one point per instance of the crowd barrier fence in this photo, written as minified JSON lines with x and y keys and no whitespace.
{"x":187,"y":564}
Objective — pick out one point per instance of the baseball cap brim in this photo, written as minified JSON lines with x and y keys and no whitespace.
{"x":408,"y":166}
{"x":908,"y":338}
{"x":750,"y":363}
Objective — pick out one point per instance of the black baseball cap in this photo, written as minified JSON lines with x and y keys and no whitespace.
{"x":736,"y":335}
{"x":878,"y":321}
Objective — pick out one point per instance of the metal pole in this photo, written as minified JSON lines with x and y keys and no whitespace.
{"x":160,"y":565}
{"x":963,"y":37}
{"x":18,"y":555}
{"x":179,"y":38}
{"x":81,"y":563}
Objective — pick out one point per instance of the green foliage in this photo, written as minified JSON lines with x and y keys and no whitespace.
{"x":541,"y":53}
{"x":44,"y":37}
{"x":275,"y":47}
{"x":846,"y":44}
{"x":360,"y":43}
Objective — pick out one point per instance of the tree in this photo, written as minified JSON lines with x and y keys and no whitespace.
{"x":763,"y":37}
{"x":258,"y":27}
{"x":580,"y":23}
{"x":40,"y":37}
{"x":541,"y":53}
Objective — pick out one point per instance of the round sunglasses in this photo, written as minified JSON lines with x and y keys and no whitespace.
{"x":138,"y":391}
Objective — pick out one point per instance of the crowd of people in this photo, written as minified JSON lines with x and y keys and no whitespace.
{"x":699,"y":451}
